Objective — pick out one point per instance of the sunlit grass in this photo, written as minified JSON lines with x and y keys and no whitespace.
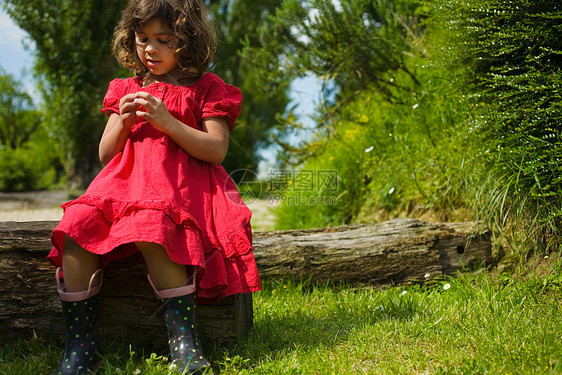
{"x":477,"y":323}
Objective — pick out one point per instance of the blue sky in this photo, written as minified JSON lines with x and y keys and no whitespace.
{"x":13,"y":56}
{"x":14,"y":59}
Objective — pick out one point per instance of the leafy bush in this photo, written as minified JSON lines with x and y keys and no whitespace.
{"x":25,"y":169}
{"x":411,"y":158}
{"x":350,"y":46}
{"x":367,"y":54}
{"x":394,"y":136}
{"x":26,"y":157}
{"x":511,"y":55}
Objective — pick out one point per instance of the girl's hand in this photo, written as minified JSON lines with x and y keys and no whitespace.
{"x":155,"y":111}
{"x":127,"y":110}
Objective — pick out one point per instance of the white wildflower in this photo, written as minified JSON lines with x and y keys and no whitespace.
{"x":404,"y":292}
{"x":446,"y":286}
{"x":391,"y":190}
{"x":426,"y":275}
{"x":369,"y":149}
{"x":415,"y":106}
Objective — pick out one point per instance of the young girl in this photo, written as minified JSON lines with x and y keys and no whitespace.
{"x":162,"y":191}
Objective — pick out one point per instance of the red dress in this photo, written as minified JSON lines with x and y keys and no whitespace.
{"x":153,"y":191}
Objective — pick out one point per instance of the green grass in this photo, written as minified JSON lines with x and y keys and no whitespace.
{"x":474,"y":324}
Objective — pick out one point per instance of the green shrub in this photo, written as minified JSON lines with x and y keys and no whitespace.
{"x":511,"y":56}
{"x":26,"y":156}
{"x":393,"y":159}
{"x":25,"y":169}
{"x":390,"y":127}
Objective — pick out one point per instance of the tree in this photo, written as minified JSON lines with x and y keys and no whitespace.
{"x":237,"y":22}
{"x":350,"y":47}
{"x":18,"y":117}
{"x":26,"y":158}
{"x":73,"y":63}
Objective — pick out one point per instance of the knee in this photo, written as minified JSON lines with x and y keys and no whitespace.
{"x":70,"y":245}
{"x":72,"y":249}
{"x":153,"y":253}
{"x":150,"y":249}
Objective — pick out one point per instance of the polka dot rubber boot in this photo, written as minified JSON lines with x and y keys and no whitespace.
{"x":80,"y":312}
{"x":186,"y":352}
{"x":81,"y":353}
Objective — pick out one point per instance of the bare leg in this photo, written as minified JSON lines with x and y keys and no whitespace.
{"x":179,"y":310}
{"x":164,"y":273}
{"x":78,"y":266}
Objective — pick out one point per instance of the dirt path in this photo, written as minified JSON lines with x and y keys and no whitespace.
{"x":45,"y":205}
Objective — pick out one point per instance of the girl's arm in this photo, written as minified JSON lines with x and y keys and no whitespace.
{"x":117,"y":129}
{"x":210,"y":144}
{"x":113,"y":139}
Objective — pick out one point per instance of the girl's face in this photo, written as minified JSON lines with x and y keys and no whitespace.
{"x":153,"y":43}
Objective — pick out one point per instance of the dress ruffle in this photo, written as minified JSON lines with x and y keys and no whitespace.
{"x":233,"y":243}
{"x":219,"y":276}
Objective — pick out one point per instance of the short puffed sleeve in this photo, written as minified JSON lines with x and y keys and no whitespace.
{"x":117,"y":89}
{"x":221,"y":99}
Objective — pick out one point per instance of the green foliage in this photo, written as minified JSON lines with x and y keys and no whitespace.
{"x":26,"y":157}
{"x":360,"y":44}
{"x":459,"y":112}
{"x":18,"y":119}
{"x":394,"y":160}
{"x":510,"y":55}
{"x":237,"y":22}
{"x":74,"y":65}
{"x":25,"y":169}
{"x":355,"y":45}
{"x":392,"y":129}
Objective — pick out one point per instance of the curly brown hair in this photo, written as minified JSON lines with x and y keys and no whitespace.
{"x":194,"y":37}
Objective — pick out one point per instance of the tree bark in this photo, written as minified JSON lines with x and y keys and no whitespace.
{"x":388,"y":253}
{"x":399,"y":251}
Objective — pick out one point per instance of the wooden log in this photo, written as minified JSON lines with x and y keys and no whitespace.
{"x":29,"y":302}
{"x":394,"y":252}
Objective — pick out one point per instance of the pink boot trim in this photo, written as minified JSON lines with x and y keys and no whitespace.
{"x":173,"y":292}
{"x":78,"y":296}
